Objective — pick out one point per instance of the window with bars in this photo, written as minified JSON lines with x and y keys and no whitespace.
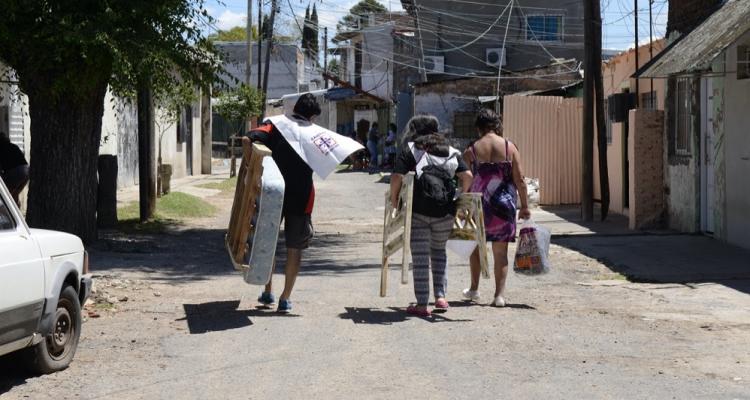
{"x":544,"y":28}
{"x":463,"y":125}
{"x":648,"y":100}
{"x":682,"y":116}
{"x":743,"y":62}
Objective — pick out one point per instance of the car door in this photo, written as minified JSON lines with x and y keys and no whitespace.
{"x":21,"y":275}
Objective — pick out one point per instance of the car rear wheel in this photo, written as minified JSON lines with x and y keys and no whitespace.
{"x":56,"y":351}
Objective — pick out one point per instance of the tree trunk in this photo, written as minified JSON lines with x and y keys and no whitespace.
{"x":601,"y":128}
{"x":106,"y":210}
{"x":65,"y":136}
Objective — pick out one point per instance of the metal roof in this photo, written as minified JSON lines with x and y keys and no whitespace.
{"x":697,"y":49}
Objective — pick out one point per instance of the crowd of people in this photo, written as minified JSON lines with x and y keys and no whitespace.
{"x":491,"y":165}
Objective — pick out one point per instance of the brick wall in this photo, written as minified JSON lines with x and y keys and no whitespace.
{"x":646,"y":168}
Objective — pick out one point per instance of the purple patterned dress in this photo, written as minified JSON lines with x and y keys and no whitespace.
{"x":495,"y":181}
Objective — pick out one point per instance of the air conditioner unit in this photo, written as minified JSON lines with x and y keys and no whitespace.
{"x":495,"y":57}
{"x":434,"y":64}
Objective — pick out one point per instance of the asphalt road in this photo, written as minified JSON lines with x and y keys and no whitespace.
{"x":191,"y":329}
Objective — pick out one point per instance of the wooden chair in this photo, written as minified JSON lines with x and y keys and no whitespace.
{"x":397,"y":222}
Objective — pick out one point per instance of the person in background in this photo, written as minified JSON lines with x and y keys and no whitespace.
{"x":299,"y":197}
{"x":373,"y":137}
{"x":390,"y":145}
{"x":498,"y":176}
{"x":14,"y":169}
{"x":432,"y":221}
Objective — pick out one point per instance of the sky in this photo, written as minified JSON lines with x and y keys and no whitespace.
{"x":618,"y":16}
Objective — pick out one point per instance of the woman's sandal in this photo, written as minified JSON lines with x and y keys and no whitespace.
{"x":418,"y":311}
{"x":441,"y":305}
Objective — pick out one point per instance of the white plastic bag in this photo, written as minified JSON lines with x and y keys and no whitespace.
{"x":462,"y":239}
{"x":532,"y":253}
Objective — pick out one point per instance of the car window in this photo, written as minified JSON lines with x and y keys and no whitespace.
{"x":6,"y":219}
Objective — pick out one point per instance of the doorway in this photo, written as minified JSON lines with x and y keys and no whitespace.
{"x":707,"y":157}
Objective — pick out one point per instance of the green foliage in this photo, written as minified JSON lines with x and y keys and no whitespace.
{"x":310,"y":33}
{"x":358,"y":15}
{"x":226,"y":186}
{"x":236,"y":34}
{"x":171,"y":102}
{"x":68,"y":48}
{"x":171,"y":210}
{"x":333,"y":67}
{"x":238,"y":104}
{"x":314,"y":43}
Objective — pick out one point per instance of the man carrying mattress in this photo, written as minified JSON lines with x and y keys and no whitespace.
{"x":299,"y":147}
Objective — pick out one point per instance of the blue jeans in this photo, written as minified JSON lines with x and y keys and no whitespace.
{"x":372,"y":147}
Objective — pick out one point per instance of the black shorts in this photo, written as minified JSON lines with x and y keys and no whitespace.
{"x":298,"y":231}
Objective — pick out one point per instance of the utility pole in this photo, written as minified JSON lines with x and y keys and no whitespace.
{"x":269,"y":49}
{"x":587,"y":150}
{"x":651,"y":45}
{"x":637,"y":91}
{"x":260,"y":40}
{"x":423,"y":71}
{"x":146,"y":152}
{"x":601,"y":128}
{"x":325,"y":53}
{"x":249,"y":61}
{"x":249,"y":28}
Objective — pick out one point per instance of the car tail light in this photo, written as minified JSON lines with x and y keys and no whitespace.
{"x":85,"y":262}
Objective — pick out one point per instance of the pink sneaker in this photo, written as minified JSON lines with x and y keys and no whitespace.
{"x":441,"y":304}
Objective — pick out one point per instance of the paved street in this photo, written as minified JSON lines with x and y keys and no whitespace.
{"x":185,"y":326}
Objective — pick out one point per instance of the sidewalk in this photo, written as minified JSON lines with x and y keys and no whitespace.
{"x":188,"y":184}
{"x":661,"y":256}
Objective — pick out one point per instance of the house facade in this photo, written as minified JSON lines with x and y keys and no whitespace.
{"x":290,"y":70}
{"x":707,"y":146}
{"x":181,"y":142}
{"x":458,"y":39}
{"x":619,"y":95}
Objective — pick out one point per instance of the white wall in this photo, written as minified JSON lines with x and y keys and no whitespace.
{"x":737,"y":155}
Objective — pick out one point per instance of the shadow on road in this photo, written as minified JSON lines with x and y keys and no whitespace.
{"x":199,"y":254}
{"x":466,"y":303}
{"x":681,"y":259}
{"x":218,"y":316}
{"x":388,"y":317}
{"x":12,"y":373}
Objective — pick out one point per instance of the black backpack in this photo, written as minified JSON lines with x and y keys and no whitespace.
{"x":435,"y":191}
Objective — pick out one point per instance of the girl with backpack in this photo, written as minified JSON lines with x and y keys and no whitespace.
{"x":496,"y":164}
{"x":435,"y":163}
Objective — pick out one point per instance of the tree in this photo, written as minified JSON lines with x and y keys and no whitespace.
{"x":236,"y":34}
{"x":357,"y":16}
{"x":66,"y":54}
{"x":238,"y":104}
{"x":170,"y":105}
{"x":314,"y":34}
{"x":266,"y":28}
{"x":306,"y":32}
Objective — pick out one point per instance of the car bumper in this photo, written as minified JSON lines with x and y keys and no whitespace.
{"x":86,"y":285}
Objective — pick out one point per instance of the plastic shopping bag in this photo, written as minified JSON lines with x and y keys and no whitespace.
{"x":463,"y":238}
{"x":532,"y":253}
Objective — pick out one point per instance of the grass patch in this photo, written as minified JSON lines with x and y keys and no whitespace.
{"x":227,"y":185}
{"x":171,"y":210}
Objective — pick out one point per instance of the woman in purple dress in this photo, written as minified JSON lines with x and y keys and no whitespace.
{"x":496,"y":166}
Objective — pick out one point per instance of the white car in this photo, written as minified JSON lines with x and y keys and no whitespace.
{"x":44,"y":280}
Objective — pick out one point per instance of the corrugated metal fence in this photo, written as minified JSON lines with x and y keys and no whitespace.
{"x":547,"y":132}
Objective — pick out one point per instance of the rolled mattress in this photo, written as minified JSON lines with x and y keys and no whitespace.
{"x":262,"y":240}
